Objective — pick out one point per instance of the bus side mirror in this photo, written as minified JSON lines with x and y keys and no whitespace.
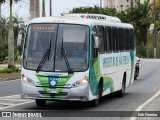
{"x":96,"y":41}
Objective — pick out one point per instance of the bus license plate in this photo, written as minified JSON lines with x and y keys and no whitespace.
{"x":52,"y":91}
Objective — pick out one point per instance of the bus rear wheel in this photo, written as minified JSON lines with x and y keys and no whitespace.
{"x":121,"y":92}
{"x":40,"y":102}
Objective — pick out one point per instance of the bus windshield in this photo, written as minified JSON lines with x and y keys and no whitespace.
{"x":67,"y":47}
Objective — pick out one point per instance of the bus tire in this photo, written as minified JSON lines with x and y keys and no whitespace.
{"x":40,"y":102}
{"x":95,"y":102}
{"x":121,"y":92}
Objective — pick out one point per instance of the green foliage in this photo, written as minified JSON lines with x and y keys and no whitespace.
{"x":19,"y":25}
{"x":123,"y":16}
{"x":18,"y":52}
{"x":157,"y":12}
{"x":141,"y":51}
{"x":94,"y":10}
{"x":3,"y":22}
{"x":17,"y":69}
{"x":6,"y":70}
{"x":109,"y":11}
{"x":9,"y":70}
{"x":3,"y":52}
{"x":141,"y":19}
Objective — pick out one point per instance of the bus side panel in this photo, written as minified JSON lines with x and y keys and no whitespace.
{"x":113,"y":66}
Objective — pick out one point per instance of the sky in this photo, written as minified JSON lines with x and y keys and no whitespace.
{"x":58,"y":7}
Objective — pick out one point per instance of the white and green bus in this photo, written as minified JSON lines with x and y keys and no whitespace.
{"x":52,"y":69}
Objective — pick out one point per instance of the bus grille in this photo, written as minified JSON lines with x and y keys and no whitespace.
{"x":55,"y":94}
{"x":38,"y":84}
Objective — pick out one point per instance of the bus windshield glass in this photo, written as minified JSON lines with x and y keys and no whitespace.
{"x":66,"y":45}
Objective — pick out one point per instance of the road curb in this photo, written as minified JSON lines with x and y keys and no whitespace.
{"x":9,"y":79}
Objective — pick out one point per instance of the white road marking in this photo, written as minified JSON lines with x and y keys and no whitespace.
{"x":13,"y":99}
{"x":146,"y":103}
{"x":9,"y":101}
{"x":6,"y":104}
{"x":12,"y":96}
{"x":18,"y":104}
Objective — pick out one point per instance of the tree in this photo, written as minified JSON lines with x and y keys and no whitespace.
{"x":34,"y":8}
{"x":11,"y":39}
{"x":157,"y":3}
{"x":4,"y":26}
{"x":18,"y":24}
{"x":1,"y":1}
{"x":123,"y":16}
{"x":158,"y":13}
{"x":43,"y":8}
{"x":140,"y":17}
{"x":109,"y":11}
{"x":94,"y":10}
{"x":37,"y":8}
{"x":3,"y":52}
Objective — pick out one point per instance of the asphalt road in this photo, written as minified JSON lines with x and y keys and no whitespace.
{"x":147,"y":84}
{"x":8,"y":88}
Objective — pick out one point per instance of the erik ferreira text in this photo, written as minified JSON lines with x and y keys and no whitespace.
{"x":145,"y":114}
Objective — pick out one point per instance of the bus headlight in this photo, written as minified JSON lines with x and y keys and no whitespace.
{"x":80,"y":82}
{"x":27,"y":80}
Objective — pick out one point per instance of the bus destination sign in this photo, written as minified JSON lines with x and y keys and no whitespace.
{"x":43,"y":28}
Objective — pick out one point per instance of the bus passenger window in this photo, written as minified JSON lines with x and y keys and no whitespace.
{"x":113,"y":38}
{"x":122,"y":38}
{"x":125,"y":39}
{"x":100,"y":31}
{"x":131,"y":39}
{"x":119,"y":38}
{"x":110,"y":38}
{"x":107,"y":40}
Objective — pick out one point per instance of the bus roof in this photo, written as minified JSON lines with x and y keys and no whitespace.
{"x":83,"y":19}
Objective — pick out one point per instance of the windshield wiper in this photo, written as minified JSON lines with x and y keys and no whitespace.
{"x":65,"y":58}
{"x":44,"y":58}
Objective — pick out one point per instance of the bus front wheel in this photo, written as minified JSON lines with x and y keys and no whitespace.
{"x":40,"y":102}
{"x":95,"y":102}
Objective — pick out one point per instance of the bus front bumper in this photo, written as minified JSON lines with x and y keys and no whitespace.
{"x":72,"y":94}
